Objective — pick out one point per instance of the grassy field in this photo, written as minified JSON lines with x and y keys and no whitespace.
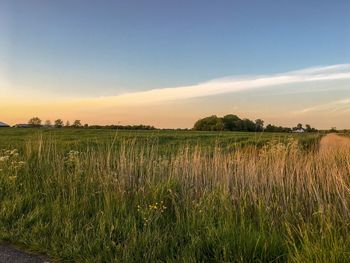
{"x":162,"y":196}
{"x":166,"y":140}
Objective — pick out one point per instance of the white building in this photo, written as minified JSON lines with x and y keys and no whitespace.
{"x":299,"y":130}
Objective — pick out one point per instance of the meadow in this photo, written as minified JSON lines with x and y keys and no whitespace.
{"x":166,"y":140}
{"x":174,"y":196}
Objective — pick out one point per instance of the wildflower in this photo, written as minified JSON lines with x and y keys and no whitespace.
{"x":14,"y":152}
{"x":4,"y":158}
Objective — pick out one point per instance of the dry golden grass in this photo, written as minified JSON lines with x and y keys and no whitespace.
{"x":334,"y":143}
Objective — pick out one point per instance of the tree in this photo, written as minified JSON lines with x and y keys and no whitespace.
{"x":212,"y":123}
{"x":34,"y":122}
{"x":47,"y":123}
{"x":219,"y":126}
{"x":231,"y":122}
{"x":67,"y":124}
{"x":299,"y":126}
{"x":273,"y":128}
{"x":308,"y":128}
{"x":259,"y":124}
{"x":270,"y":128}
{"x":76,"y":124}
{"x":58,"y":123}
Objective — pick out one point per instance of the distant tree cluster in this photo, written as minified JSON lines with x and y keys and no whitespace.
{"x":273,"y":128}
{"x":228,"y":123}
{"x":123,"y":127}
{"x":234,"y":123}
{"x":36,"y":122}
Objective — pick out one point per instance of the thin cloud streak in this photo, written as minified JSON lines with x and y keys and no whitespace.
{"x":226,"y":85}
{"x":338,"y":106}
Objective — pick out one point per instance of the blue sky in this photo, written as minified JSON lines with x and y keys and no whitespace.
{"x":84,"y":49}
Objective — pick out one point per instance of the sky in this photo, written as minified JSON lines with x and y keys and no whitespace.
{"x":169,"y":63}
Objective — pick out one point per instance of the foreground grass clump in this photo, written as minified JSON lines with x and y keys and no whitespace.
{"x":135,"y":202}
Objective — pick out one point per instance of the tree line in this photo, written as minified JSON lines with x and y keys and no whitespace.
{"x":36,"y":122}
{"x":228,"y":122}
{"x":232,"y":122}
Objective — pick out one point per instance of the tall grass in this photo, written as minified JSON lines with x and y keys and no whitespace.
{"x":137,"y":203}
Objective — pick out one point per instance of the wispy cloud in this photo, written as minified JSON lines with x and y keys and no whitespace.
{"x":229,"y":85}
{"x":337,"y":106}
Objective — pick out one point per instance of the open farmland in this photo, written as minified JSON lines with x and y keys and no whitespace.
{"x":125,"y":196}
{"x":166,"y":140}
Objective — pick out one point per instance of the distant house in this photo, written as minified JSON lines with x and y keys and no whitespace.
{"x":4,"y":125}
{"x":22,"y":125}
{"x":299,"y":130}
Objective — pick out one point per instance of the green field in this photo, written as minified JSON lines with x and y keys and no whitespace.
{"x":173,"y":196}
{"x":166,"y":140}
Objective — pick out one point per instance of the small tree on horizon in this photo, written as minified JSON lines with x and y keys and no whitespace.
{"x":76,"y":124}
{"x":34,"y":122}
{"x":58,"y":123}
{"x":259,"y":123}
{"x":47,"y":123}
{"x":308,"y":128}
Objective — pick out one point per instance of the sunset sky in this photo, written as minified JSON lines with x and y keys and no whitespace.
{"x":168,"y":63}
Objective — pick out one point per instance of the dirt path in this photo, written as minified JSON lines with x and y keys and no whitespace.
{"x":9,"y":254}
{"x":333,"y":142}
